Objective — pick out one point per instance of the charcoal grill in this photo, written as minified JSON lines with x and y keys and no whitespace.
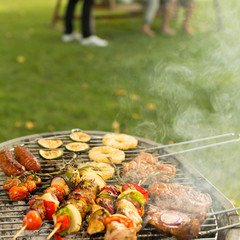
{"x":11,"y":213}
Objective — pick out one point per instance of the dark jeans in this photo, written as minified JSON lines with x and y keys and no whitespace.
{"x":86,"y":17}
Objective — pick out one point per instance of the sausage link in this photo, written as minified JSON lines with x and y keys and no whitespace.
{"x":9,"y":165}
{"x":27,"y":159}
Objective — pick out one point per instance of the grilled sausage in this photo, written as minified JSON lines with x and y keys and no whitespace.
{"x":9,"y":165}
{"x":27,"y":159}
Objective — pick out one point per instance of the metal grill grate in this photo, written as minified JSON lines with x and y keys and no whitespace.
{"x":11,"y":213}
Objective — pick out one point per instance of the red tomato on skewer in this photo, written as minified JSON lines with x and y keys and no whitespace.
{"x":32,"y":220}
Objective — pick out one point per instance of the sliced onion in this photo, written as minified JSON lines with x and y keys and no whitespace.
{"x":171,"y":219}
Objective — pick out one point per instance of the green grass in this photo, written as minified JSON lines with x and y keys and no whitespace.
{"x":193,"y":81}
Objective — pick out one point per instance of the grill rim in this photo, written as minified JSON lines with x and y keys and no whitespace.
{"x":186,"y":167}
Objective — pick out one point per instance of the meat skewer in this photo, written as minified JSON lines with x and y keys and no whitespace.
{"x":42,"y":207}
{"x":104,"y":207}
{"x":127,"y":220}
{"x":68,"y":218}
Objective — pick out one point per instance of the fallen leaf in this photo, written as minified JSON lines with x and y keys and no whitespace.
{"x":135,"y":116}
{"x":170,"y":142}
{"x":20,"y":59}
{"x":151,"y":106}
{"x":120,"y":92}
{"x":29,"y":125}
{"x":134,"y":96}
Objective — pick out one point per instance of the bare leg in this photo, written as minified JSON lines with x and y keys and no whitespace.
{"x":188,"y":14}
{"x":167,"y":11}
{"x":149,"y":14}
{"x":147,"y":30}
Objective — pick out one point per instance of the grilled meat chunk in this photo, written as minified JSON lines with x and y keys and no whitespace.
{"x":180,"y":225}
{"x":146,"y":167}
{"x":178,"y":197}
{"x":119,"y":231}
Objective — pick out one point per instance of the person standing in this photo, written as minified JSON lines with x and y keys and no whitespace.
{"x":167,"y":8}
{"x":87,"y":37}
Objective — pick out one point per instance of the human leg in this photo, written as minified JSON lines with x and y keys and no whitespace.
{"x":88,"y":37}
{"x":149,"y":14}
{"x":69,"y":16}
{"x":189,"y":6}
{"x":167,"y":12}
{"x":69,"y":35}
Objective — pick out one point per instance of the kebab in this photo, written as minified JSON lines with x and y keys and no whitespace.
{"x":68,"y":218}
{"x":104,"y":207}
{"x":126,"y":222}
{"x":42,"y":207}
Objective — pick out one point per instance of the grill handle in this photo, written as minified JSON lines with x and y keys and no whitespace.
{"x":233,"y":135}
{"x":219,"y":229}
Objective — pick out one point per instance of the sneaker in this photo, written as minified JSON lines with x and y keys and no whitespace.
{"x":94,"y":41}
{"x":71,"y":37}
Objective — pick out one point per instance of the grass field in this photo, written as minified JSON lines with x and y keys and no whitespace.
{"x":163,"y":88}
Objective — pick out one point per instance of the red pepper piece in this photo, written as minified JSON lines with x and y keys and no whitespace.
{"x":124,"y":220}
{"x":50,"y":209}
{"x":64,"y":220}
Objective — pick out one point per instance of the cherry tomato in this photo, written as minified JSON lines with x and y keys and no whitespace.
{"x":124,"y":220}
{"x":10,"y":182}
{"x":30,"y":185}
{"x":65,"y":222}
{"x":142,"y":190}
{"x":34,"y":178}
{"x":17,"y":193}
{"x":32,"y":220}
{"x":58,"y":191}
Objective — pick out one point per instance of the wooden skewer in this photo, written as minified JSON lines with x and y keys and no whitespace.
{"x":20,"y":231}
{"x":54,"y":231}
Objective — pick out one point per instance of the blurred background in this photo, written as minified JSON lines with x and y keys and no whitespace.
{"x":167,"y":88}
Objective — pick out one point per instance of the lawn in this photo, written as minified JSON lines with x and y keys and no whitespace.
{"x":164,"y":88}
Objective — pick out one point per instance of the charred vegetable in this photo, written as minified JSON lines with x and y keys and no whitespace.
{"x":79,"y":136}
{"x":50,"y":143}
{"x":51,"y":154}
{"x":77,"y":147}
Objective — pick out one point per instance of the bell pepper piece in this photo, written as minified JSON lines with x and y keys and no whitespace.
{"x":123,"y":220}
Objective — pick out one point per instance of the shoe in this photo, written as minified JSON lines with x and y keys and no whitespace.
{"x":94,"y":41}
{"x":71,"y":37}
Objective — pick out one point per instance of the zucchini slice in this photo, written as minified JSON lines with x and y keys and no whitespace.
{"x":77,"y":147}
{"x":50,"y":143}
{"x":51,"y":154}
{"x":80,"y":136}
